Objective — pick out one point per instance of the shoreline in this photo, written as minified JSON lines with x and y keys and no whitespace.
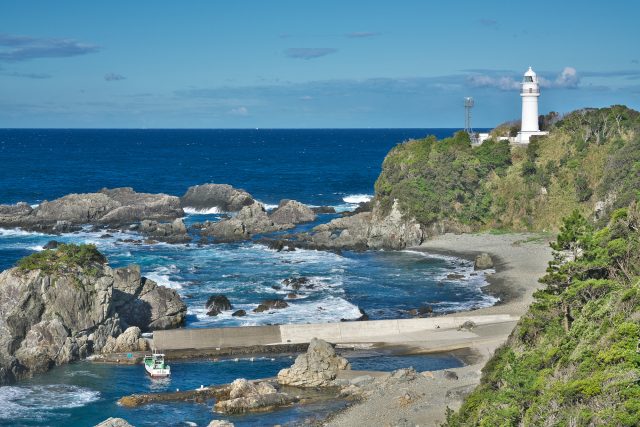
{"x":520,"y":259}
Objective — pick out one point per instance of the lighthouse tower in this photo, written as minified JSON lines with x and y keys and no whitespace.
{"x":529,"y":92}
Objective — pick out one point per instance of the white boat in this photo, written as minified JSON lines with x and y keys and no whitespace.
{"x":155,"y":366}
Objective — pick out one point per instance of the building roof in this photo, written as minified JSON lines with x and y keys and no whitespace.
{"x":530,"y":72}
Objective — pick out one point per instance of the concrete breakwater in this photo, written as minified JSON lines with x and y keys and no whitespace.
{"x":431,"y":334}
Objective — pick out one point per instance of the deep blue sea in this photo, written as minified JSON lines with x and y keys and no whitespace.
{"x":317,"y":167}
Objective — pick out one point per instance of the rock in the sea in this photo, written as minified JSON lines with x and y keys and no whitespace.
{"x":115,"y":207}
{"x":252,"y":219}
{"x":483,"y":262}
{"x":292,"y":212}
{"x":324,"y":210}
{"x":317,"y":367}
{"x":216,"y":304}
{"x":421,"y":311}
{"x":54,"y":313}
{"x":51,"y":244}
{"x":170,"y":232}
{"x":269,"y":304}
{"x":220,"y":423}
{"x":114,"y":422}
{"x":239,"y":313}
{"x":128,"y":341}
{"x":221,"y":196}
{"x":246,"y":396}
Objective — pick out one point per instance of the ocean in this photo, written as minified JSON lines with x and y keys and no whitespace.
{"x":334,"y":167}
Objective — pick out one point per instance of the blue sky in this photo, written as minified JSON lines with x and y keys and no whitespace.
{"x":295,"y":64}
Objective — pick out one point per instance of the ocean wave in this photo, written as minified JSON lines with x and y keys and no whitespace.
{"x":17,"y":232}
{"x":33,"y":402}
{"x":162,"y":276}
{"x":325,"y":310}
{"x":207,"y":211}
{"x":357,"y":198}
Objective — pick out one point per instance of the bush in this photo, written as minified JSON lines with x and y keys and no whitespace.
{"x":65,"y":258}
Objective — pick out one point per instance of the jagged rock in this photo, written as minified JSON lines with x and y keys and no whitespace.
{"x":216,"y":304}
{"x":118,"y":206}
{"x":269,"y":304}
{"x":114,"y":422}
{"x":324,"y":210}
{"x":239,"y":313}
{"x":221,"y":196}
{"x":130,"y":340}
{"x":393,"y":231}
{"x":292,"y":212}
{"x":245,"y":396}
{"x":296,"y":283}
{"x":51,"y":318}
{"x":455,"y":276}
{"x":142,"y":303}
{"x":252,"y":219}
{"x":319,"y":366}
{"x":220,"y":423}
{"x":483,"y":262}
{"x":170,"y":232}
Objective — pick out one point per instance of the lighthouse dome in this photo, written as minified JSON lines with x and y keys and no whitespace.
{"x":530,"y":76}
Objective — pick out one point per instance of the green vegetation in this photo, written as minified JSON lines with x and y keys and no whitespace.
{"x":434,"y":180}
{"x":65,"y":258}
{"x":590,"y":156}
{"x":574,"y":357}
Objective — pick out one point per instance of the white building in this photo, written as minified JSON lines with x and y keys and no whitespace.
{"x":530,"y":91}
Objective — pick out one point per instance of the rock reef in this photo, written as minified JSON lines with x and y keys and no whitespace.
{"x":317,"y":367}
{"x":221,"y":196}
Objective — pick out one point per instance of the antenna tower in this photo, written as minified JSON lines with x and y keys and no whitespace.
{"x":468,"y":105}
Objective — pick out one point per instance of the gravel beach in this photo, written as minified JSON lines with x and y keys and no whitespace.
{"x":421,"y":399}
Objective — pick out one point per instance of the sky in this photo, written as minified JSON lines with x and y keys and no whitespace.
{"x":308,"y":64}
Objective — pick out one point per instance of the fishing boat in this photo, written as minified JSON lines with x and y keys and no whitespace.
{"x":155,"y":366}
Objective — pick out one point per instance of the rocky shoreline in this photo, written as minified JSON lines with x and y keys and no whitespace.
{"x":158,"y":217}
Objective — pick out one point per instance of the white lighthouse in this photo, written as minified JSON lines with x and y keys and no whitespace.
{"x":529,"y":92}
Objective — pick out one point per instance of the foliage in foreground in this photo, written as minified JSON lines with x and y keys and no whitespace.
{"x":590,"y":156}
{"x":574,"y":358}
{"x":65,"y":258}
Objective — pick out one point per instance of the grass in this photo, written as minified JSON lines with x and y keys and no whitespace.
{"x":64,"y":259}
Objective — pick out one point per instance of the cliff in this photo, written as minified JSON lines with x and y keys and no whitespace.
{"x":587,"y":162}
{"x":61,"y":305}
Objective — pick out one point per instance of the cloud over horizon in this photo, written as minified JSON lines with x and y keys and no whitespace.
{"x":568,"y":78}
{"x":361,"y":34}
{"x":23,"y":48}
{"x":309,"y":52}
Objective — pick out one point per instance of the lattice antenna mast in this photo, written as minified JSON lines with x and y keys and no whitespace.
{"x":468,"y":105}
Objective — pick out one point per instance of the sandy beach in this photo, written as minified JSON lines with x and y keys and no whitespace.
{"x":520,"y":260}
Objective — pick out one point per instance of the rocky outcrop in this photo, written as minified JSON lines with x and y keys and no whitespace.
{"x":143,"y":303}
{"x":216,"y":304}
{"x":113,"y":207}
{"x":483,"y":262}
{"x":221,"y":196}
{"x":317,"y":367}
{"x":128,"y":341}
{"x":114,"y":422}
{"x":292,"y":212}
{"x":245,"y":396}
{"x":52,"y":317}
{"x":342,"y":233}
{"x":220,"y":423}
{"x":393,"y":231}
{"x":270,"y":304}
{"x":169,"y":232}
{"x":252,"y":219}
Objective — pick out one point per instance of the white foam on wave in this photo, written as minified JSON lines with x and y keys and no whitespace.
{"x":207,"y":211}
{"x":357,"y":198}
{"x":35,"y":401}
{"x":36,"y":248}
{"x":162,"y":276}
{"x":329,"y":309}
{"x":269,"y":206}
{"x":16,"y":232}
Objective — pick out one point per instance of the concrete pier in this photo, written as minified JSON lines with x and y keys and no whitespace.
{"x":431,"y":334}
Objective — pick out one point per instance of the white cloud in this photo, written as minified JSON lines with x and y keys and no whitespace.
{"x":239,"y":111}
